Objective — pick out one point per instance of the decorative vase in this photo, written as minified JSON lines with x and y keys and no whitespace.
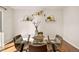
{"x":36,"y":30}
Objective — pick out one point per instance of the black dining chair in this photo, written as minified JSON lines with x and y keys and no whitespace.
{"x":22,"y":46}
{"x":18,"y":42}
{"x":54,"y":48}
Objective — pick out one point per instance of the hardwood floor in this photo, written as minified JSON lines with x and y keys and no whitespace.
{"x":9,"y":48}
{"x":65,"y":47}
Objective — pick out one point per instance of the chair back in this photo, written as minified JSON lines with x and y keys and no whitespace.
{"x":49,"y":41}
{"x":22,"y":46}
{"x":59,"y":39}
{"x":17,"y":42}
{"x":42,"y":48}
{"x":18,"y":39}
{"x":28,"y":38}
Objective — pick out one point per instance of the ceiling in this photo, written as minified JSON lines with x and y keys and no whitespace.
{"x":33,"y":7}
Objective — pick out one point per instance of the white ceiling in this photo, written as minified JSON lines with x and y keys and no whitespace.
{"x":33,"y":7}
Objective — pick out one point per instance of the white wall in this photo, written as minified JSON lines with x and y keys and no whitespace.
{"x":1,"y":32}
{"x":0,"y":21}
{"x":66,"y":25}
{"x":71,"y":25}
{"x":27,"y":27}
{"x":8,"y":24}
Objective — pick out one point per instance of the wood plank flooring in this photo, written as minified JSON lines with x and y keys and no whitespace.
{"x":9,"y":48}
{"x":65,"y":47}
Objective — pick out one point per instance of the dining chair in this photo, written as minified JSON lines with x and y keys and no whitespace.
{"x":54,"y":48}
{"x":28,"y":38}
{"x":36,"y":48}
{"x":59,"y":42}
{"x":22,"y":46}
{"x":26,"y":44}
{"x":18,"y":42}
{"x":53,"y":45}
{"x":49,"y":41}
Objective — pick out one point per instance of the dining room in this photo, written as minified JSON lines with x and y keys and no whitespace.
{"x":39,"y":29}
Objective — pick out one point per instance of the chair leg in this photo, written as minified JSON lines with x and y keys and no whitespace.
{"x":22,"y":47}
{"x":53,"y":46}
